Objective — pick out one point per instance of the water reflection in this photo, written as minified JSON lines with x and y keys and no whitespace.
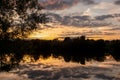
{"x":57,"y":69}
{"x":77,"y":50}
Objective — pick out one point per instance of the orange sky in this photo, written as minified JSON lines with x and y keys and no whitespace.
{"x":96,"y":19}
{"x":69,"y":31}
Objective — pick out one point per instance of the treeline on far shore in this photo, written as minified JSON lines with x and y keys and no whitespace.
{"x":77,"y":49}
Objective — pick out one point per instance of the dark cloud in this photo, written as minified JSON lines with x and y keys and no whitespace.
{"x":58,"y":4}
{"x":78,"y":21}
{"x":88,"y":2}
{"x":81,"y":17}
{"x":103,"y":17}
{"x":62,"y":4}
{"x":117,"y":2}
{"x":54,"y":17}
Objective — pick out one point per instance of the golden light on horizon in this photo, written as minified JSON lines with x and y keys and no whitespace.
{"x":105,"y":37}
{"x":103,"y":32}
{"x":43,"y":35}
{"x":56,"y":32}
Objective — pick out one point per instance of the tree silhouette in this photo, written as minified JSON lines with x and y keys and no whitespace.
{"x":19,"y":17}
{"x":77,"y":49}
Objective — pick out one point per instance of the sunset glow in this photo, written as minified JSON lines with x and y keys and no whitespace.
{"x":60,"y":40}
{"x":61,"y":31}
{"x":96,"y":19}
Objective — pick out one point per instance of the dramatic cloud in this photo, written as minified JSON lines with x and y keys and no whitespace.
{"x":56,"y":31}
{"x":58,"y":4}
{"x":103,"y":17}
{"x":79,"y":21}
{"x":62,"y":4}
{"x":88,"y":2}
{"x":117,"y":2}
{"x":84,"y":14}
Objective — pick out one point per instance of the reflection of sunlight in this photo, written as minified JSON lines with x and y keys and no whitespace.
{"x":59,"y":62}
{"x":27,"y":59}
{"x":49,"y":61}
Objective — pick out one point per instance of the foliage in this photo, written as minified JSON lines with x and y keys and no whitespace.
{"x":19,"y":17}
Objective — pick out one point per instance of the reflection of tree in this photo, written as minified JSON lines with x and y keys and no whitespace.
{"x":114,"y":49}
{"x":71,"y":49}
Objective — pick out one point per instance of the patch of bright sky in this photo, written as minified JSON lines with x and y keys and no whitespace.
{"x":77,"y":9}
{"x":103,"y":7}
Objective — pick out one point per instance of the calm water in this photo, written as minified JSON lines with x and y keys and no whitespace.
{"x":58,"y":69}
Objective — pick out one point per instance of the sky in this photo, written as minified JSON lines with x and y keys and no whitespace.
{"x":98,"y":19}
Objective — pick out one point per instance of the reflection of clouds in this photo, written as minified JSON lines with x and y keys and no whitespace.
{"x":104,"y":77}
{"x":108,"y":70}
{"x":12,"y":76}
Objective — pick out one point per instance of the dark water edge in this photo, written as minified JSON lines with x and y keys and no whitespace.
{"x":75,"y":50}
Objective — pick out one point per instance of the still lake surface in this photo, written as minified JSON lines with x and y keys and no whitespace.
{"x":58,"y":69}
